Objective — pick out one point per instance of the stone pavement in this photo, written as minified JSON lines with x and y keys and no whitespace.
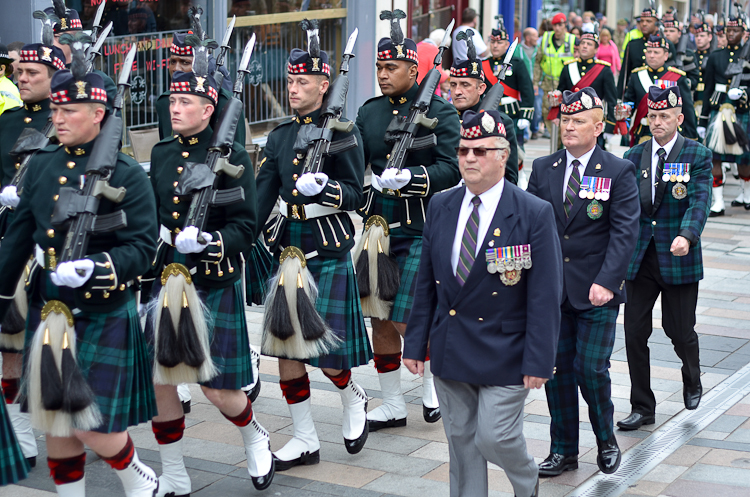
{"x":414,"y":460}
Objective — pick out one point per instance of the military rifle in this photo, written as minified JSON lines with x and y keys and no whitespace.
{"x":735,"y":69}
{"x":495,"y":94}
{"x":223,"y":49}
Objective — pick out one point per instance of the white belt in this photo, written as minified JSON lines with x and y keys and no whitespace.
{"x":166,"y":235}
{"x":508,"y":100}
{"x":644,"y":121}
{"x":39,"y":255}
{"x":307,"y":211}
{"x":720,"y":88}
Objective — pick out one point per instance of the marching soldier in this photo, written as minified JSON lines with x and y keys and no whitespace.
{"x":468,"y":89}
{"x":199,"y":268}
{"x":396,"y":204}
{"x":655,"y":73}
{"x":673,"y":33}
{"x":35,"y":69}
{"x":703,"y":38}
{"x":518,"y":99}
{"x":725,"y":117}
{"x":311,"y":239}
{"x":635,"y":49}
{"x":106,"y":381}
{"x":585,"y":71}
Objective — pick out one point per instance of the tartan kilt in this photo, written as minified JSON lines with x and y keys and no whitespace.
{"x":743,"y":119}
{"x":407,"y":250}
{"x":258,"y":266}
{"x":338,"y":299}
{"x":111,"y":354}
{"x":13,"y":465}
{"x":227,"y":329}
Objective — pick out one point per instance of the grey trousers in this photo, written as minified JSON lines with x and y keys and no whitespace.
{"x":485,"y":423}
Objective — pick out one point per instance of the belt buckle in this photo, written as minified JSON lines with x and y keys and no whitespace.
{"x":298,"y":212}
{"x":50,"y":259}
{"x":391,"y":192}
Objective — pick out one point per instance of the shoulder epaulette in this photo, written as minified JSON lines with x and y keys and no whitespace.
{"x":639,"y":69}
{"x":14,"y":109}
{"x":678,"y":71}
{"x":372,"y":99}
{"x":567,"y":62}
{"x":602,"y":62}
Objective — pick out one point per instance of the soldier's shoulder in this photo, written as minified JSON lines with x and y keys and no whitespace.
{"x":281,"y":126}
{"x":602,"y":62}
{"x":373,"y":101}
{"x":571,"y":61}
{"x":50,"y":149}
{"x":124,"y":160}
{"x":638,"y":69}
{"x":166,"y":142}
{"x":677,"y":71}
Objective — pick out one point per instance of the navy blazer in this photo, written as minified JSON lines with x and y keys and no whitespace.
{"x":593,"y":250}
{"x":485,"y":332}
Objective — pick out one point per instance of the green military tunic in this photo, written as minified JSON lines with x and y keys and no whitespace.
{"x":702,"y":57}
{"x":518,"y":78}
{"x":689,"y":64}
{"x":165,"y":121}
{"x":12,"y":123}
{"x":635,"y":57}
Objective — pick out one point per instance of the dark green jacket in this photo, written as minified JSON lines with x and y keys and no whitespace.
{"x":433,"y":169}
{"x":702,"y":57}
{"x":12,"y":123}
{"x":165,"y":121}
{"x":232,"y":226}
{"x":635,"y":57}
{"x":714,"y":75}
{"x":279,"y":170}
{"x":120,"y":256}
{"x":603,"y":85}
{"x":518,"y":78}
{"x":689,"y":64}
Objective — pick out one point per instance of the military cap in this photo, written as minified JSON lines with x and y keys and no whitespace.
{"x":4,"y":55}
{"x":69,"y":18}
{"x":42,"y":54}
{"x":313,"y":61}
{"x":648,"y":12}
{"x":179,"y":47}
{"x":657,"y":41}
{"x":66,"y":88}
{"x":664,"y":98}
{"x":396,"y":47}
{"x":590,"y":35}
{"x":472,"y":66}
{"x":702,"y":28}
{"x":482,"y":124}
{"x":500,"y":33}
{"x":670,"y":22}
{"x":202,"y":86}
{"x":580,"y":101}
{"x":736,"y":22}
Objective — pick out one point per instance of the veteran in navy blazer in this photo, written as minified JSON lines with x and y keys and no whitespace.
{"x":595,"y":199}
{"x":487,"y":302}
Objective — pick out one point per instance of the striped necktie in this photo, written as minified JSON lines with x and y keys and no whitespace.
{"x":574,"y":184}
{"x":468,"y":244}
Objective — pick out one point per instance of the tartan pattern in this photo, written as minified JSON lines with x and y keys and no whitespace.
{"x":13,"y":465}
{"x":385,"y":363}
{"x":468,"y":243}
{"x":178,"y":50}
{"x":476,"y":131}
{"x":68,"y":469}
{"x":674,"y":215}
{"x":338,"y":299}
{"x":389,"y":54}
{"x":33,"y":56}
{"x":111,"y":354}
{"x":296,"y":390}
{"x":743,"y":119}
{"x":62,"y":96}
{"x":583,"y":352}
{"x":258,"y":265}
{"x":574,"y":184}
{"x":303,"y":69}
{"x":577,"y":106}
{"x":662,"y":104}
{"x":59,"y":97}
{"x":189,"y":87}
{"x":244,"y":418}
{"x":167,"y":432}
{"x":661,"y":42}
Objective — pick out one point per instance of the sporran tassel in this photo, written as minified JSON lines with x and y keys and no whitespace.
{"x":382,"y":275}
{"x":51,"y":383}
{"x":389,"y":278}
{"x":78,"y":394}
{"x":363,"y":271}
{"x":168,"y":351}
{"x":190,"y":346}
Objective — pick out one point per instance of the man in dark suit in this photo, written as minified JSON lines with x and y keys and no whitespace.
{"x":596,"y":204}
{"x":491,"y":323}
{"x":675,"y":192}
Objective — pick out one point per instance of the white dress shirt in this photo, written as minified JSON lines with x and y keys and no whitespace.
{"x":655,"y":161}
{"x":584,"y":160}
{"x":487,"y":209}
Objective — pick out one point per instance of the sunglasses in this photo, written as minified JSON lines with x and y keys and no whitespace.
{"x":478,"y":152}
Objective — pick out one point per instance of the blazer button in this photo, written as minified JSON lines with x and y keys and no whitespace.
{"x":437,"y":282}
{"x":653,"y":222}
{"x":481,"y":319}
{"x":452,"y":312}
{"x":494,"y":294}
{"x":566,"y":237}
{"x":567,"y":259}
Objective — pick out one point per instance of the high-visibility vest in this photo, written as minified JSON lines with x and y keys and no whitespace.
{"x":555,"y":58}
{"x":633,"y":34}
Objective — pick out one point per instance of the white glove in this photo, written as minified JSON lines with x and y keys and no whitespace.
{"x":735,"y":93}
{"x":310,"y":184}
{"x":375,"y":182}
{"x":187,"y":241}
{"x":523,"y":123}
{"x":608,"y":136}
{"x":67,"y":274}
{"x":393,"y":179}
{"x":10,"y":197}
{"x":702,"y":132}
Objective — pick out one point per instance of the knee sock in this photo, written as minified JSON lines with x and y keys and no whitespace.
{"x":66,"y":470}
{"x":167,"y":432}
{"x":296,"y":390}
{"x":341,"y":380}
{"x":385,"y":363}
{"x":244,"y":418}
{"x":122,"y":459}
{"x":10,"y":389}
{"x":718,"y":180}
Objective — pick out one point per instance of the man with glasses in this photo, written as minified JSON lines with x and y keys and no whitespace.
{"x":595,"y":199}
{"x":488,"y":311}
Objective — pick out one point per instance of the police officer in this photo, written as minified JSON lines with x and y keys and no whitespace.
{"x":313,"y":229}
{"x":9,"y":97}
{"x":400,"y":199}
{"x":211,"y":257}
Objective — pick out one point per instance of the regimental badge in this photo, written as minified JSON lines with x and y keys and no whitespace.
{"x":81,"y":86}
{"x":63,"y":23}
{"x":474,"y":68}
{"x":496,"y":232}
{"x":193,"y":141}
{"x":672,"y":99}
{"x":595,"y":210}
{"x":400,"y":51}
{"x":586,"y":100}
{"x":679,"y":191}
{"x":402,"y":100}
{"x":46,"y":54}
{"x":316,"y":64}
{"x":488,"y":123}
{"x":36,"y":108}
{"x":510,"y":278}
{"x":308,"y":120}
{"x":199,"y":81}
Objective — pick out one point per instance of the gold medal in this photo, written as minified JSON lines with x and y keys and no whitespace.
{"x":590,"y":195}
{"x":679,"y":178}
{"x":673,"y":178}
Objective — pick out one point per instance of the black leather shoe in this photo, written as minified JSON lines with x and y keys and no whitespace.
{"x":737,"y":203}
{"x":716,"y":213}
{"x":305,"y":459}
{"x":253,"y":393}
{"x":635,"y":421}
{"x":536,"y":490}
{"x":31,"y":461}
{"x":692,"y":397}
{"x":391,"y":423}
{"x":747,"y":207}
{"x":608,"y":458}
{"x":356,"y":445}
{"x":186,"y":407}
{"x":556,"y":464}
{"x":263,"y":482}
{"x":431,"y":414}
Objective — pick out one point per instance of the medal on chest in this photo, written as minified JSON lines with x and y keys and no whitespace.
{"x":509,"y":262}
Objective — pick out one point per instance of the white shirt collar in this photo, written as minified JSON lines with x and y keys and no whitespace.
{"x":667,"y":148}
{"x":489,"y":199}
{"x":584,"y":159}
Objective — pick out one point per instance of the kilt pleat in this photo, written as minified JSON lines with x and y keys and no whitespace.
{"x":743,"y":119}
{"x":338,"y":299}
{"x":13,"y":465}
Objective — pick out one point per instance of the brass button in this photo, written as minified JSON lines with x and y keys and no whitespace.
{"x":51,"y":233}
{"x":338,"y":244}
{"x":112,"y":288}
{"x":295,"y":192}
{"x":452,"y":312}
{"x":294,"y":177}
{"x":71,"y":164}
{"x":111,"y":277}
{"x":221,"y":273}
{"x":176,"y":215}
{"x":388,"y":157}
{"x":56,"y":198}
{"x":566,"y":237}
{"x":27,"y":120}
{"x":87,"y":295}
{"x":186,"y":154}
{"x":653,"y":222}
{"x":122,"y":287}
{"x":63,"y":180}
{"x":408,"y":221}
{"x":325,"y":244}
{"x":175,"y":184}
{"x":494,"y":294}
{"x":567,"y":259}
{"x":179,"y":170}
{"x":176,"y":200}
{"x":231,"y":270}
{"x":731,"y":53}
{"x":395,"y":112}
{"x":437,"y":282}
{"x":18,"y":165}
{"x":107,"y":265}
{"x":337,"y":197}
{"x":105,"y":295}
{"x":295,"y":162}
{"x":208,"y":271}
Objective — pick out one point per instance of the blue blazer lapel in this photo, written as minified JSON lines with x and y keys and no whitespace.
{"x":663,"y":185}
{"x":556,"y":180}
{"x":591,"y":170}
{"x":645,"y":178}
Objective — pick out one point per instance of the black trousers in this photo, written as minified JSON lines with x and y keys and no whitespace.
{"x":678,"y":303}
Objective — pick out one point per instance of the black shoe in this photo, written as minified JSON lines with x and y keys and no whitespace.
{"x":31,"y":461}
{"x":263,"y":482}
{"x":556,"y":464}
{"x":536,"y":490}
{"x":391,"y":423}
{"x":306,"y":459}
{"x":692,"y":397}
{"x":355,"y":446}
{"x":186,"y":407}
{"x":635,"y":421}
{"x":431,"y":414}
{"x":747,"y":207}
{"x":253,"y":393}
{"x":716,"y":213}
{"x":608,"y":458}
{"x":737,"y":203}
